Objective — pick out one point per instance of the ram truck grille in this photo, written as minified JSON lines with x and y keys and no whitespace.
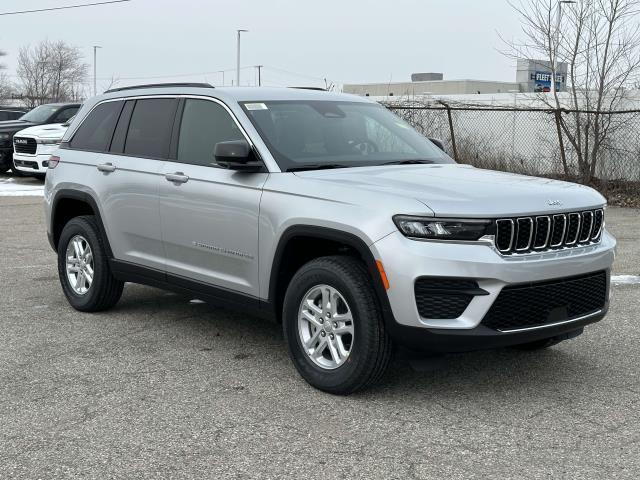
{"x":25,"y":145}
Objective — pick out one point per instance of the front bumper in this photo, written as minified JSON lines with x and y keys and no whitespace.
{"x":407,"y":260}
{"x":36,"y":163}
{"x":31,"y":163}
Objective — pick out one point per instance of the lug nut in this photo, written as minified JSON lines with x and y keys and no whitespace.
{"x":332,"y":336}
{"x":323,"y":333}
{"x":335,"y":324}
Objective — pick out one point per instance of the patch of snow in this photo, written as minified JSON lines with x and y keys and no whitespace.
{"x":625,"y":279}
{"x":9,"y":188}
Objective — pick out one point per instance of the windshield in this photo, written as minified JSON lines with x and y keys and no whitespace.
{"x":330,"y":134}
{"x":39,"y":114}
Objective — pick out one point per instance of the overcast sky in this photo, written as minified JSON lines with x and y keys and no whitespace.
{"x":299,"y":42}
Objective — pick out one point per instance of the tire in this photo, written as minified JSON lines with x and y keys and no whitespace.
{"x":369,"y":346}
{"x":104,"y":290}
{"x":16,"y":172}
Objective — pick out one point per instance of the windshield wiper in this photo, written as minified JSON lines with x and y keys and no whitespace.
{"x":408,"y":162}
{"x":316,"y":166}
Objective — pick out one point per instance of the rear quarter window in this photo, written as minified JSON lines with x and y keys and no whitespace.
{"x":97,"y":129}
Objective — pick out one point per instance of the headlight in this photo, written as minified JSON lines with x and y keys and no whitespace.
{"x":442,"y":228}
{"x":48,"y":141}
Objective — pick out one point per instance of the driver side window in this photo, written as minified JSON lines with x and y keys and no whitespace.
{"x":204,"y":123}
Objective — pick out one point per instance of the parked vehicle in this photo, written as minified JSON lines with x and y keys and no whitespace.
{"x":326,"y":212}
{"x":11,"y":113}
{"x":42,"y":115}
{"x":33,"y":146}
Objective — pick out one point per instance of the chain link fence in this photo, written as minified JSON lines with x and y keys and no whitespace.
{"x":528,"y":141}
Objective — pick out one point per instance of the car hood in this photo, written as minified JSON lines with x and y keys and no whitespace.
{"x":13,"y":125}
{"x":54,"y":131}
{"x":462,"y":190}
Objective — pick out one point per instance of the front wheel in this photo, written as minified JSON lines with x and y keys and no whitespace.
{"x":333,"y":326}
{"x":83,"y":267}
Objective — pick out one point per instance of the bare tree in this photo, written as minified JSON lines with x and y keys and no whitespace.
{"x":51,"y":72}
{"x":599,"y":40}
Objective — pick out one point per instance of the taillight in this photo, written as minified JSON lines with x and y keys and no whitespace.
{"x":54,"y":160}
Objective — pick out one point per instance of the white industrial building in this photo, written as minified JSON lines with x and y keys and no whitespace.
{"x":531,"y":76}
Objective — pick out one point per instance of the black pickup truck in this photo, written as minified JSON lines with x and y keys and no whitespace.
{"x":42,"y":115}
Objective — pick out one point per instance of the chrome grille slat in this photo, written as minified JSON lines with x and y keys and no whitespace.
{"x":542,"y":233}
{"x":560,"y":241}
{"x":547,"y":220}
{"x":524,"y":221}
{"x":572,"y":240}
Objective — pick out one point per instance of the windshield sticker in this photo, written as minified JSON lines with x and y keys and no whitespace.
{"x":256,"y":106}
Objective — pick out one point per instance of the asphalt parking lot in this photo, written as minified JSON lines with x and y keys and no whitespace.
{"x":164,"y":387}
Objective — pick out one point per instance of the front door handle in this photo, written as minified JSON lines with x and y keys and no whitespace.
{"x":177,"y":177}
{"x":107,"y":167}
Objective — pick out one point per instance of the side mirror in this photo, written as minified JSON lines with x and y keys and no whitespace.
{"x":236,"y":155}
{"x":438,"y":143}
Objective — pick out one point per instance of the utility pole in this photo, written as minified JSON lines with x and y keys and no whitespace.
{"x":557,"y":41}
{"x":238,"y":57}
{"x":259,"y":67}
{"x":95,"y":70}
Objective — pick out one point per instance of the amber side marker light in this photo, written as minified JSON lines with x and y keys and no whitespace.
{"x":54,"y":160}
{"x":383,"y":275}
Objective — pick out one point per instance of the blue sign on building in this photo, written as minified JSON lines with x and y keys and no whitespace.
{"x":543,"y":81}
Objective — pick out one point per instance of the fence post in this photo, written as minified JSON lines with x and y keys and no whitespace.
{"x":453,"y":133}
{"x":563,"y":156}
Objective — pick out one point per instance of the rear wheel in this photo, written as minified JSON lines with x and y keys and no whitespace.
{"x":83,"y":267}
{"x":333,"y":326}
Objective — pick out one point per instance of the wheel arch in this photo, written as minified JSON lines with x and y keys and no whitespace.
{"x":280,"y":276}
{"x":68,"y":204}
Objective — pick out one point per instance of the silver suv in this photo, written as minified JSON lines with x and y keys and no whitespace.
{"x":327,"y":213}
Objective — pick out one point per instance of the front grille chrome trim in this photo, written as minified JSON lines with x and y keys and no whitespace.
{"x":584,"y":215}
{"x":524,"y":219}
{"x":564,"y":231}
{"x":546,"y":241}
{"x":575,"y":239}
{"x":512,"y":226}
{"x":555,"y":324}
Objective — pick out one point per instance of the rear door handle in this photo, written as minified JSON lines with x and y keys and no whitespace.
{"x":177,"y":177}
{"x":107,"y":167}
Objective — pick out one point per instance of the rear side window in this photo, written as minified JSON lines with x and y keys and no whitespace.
{"x":149,"y":133}
{"x":97,"y":129}
{"x":204,"y":124}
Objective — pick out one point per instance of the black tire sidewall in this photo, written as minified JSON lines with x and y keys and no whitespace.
{"x":365,"y":318}
{"x":84,"y":227}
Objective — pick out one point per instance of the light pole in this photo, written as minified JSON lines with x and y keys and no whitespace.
{"x":238,"y":58}
{"x":556,"y":42}
{"x":259,"y":67}
{"x":95,"y":69}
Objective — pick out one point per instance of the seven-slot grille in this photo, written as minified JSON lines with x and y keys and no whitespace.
{"x":25,"y":145}
{"x":548,"y":232}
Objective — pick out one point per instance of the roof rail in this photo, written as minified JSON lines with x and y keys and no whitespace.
{"x":319,"y":89}
{"x":159,"y":85}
